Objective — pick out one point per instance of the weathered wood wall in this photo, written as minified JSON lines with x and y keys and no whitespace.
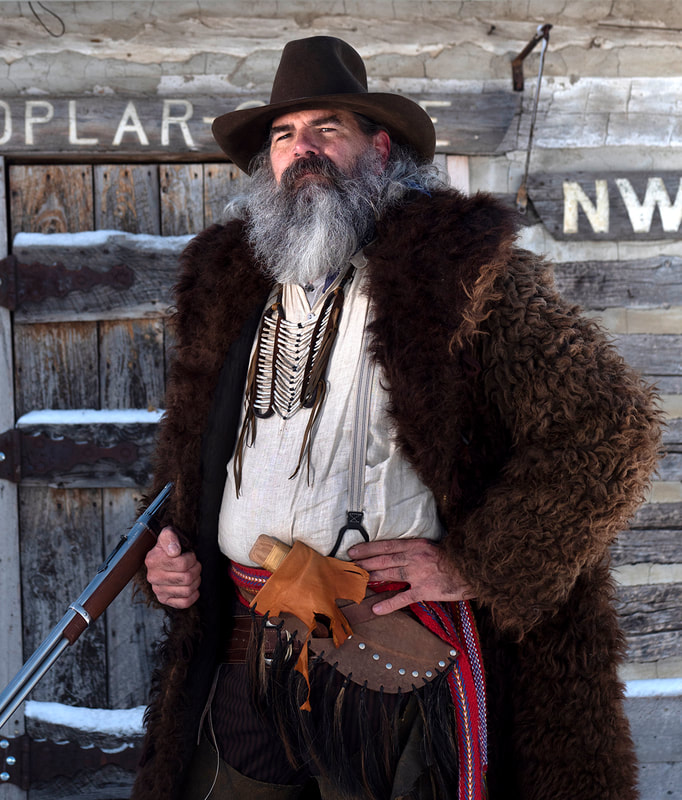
{"x":10,"y":598}
{"x":83,"y":360}
{"x":104,"y":348}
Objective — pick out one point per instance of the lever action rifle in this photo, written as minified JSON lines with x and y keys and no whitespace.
{"x":111,"y":578}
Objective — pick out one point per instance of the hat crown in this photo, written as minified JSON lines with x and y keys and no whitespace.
{"x":316,"y":67}
{"x":322,"y":72}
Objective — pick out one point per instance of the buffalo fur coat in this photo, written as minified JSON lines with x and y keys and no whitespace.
{"x":536,"y":439}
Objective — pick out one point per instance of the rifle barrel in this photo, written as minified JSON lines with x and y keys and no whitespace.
{"x":112,"y":576}
{"x":33,"y":670}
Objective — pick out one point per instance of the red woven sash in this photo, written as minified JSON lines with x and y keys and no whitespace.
{"x":454,"y":623}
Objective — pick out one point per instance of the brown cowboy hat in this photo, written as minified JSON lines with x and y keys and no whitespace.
{"x":323,"y":72}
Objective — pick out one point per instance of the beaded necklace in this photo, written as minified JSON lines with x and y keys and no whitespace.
{"x":288,"y":368}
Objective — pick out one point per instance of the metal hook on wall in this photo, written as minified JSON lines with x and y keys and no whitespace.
{"x":517,"y":64}
{"x":541,"y":35}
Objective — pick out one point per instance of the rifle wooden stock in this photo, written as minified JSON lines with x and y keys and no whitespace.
{"x":111,"y":578}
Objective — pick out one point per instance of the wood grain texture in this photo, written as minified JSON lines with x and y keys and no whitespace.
{"x":655,"y":646}
{"x":127,"y":198}
{"x":651,"y":617}
{"x":182,"y":198}
{"x":657,"y":515}
{"x":615,"y":200}
{"x":56,"y":366}
{"x":644,"y":283}
{"x":108,"y":783}
{"x":129,"y":466}
{"x":133,"y":125}
{"x":10,"y":567}
{"x":133,"y":628}
{"x":222,"y":183}
{"x":53,"y":199}
{"x":151,"y":264}
{"x":642,"y":546}
{"x":670,"y":467}
{"x":132,"y":369}
{"x":657,"y":357}
{"x":672,"y":432}
{"x":61,"y":548}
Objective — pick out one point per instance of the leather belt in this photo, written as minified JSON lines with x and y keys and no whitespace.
{"x":234,"y":650}
{"x":393,"y":652}
{"x":236,"y":647}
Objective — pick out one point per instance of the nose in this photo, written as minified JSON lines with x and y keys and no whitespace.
{"x":305,"y":144}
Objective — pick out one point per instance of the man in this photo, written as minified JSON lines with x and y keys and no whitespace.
{"x":502,"y":446}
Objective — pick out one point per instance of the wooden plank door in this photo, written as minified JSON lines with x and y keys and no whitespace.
{"x":83,"y":361}
{"x":65,"y":363}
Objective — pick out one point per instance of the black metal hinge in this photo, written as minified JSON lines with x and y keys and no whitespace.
{"x":10,"y":456}
{"x":27,"y":455}
{"x":14,"y":761}
{"x":25,"y":761}
{"x":33,"y":283}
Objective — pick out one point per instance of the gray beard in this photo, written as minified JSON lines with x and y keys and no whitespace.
{"x":305,"y":228}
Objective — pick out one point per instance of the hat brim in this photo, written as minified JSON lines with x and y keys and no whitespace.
{"x":242,"y":134}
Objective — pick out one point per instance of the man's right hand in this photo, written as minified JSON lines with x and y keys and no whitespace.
{"x":174,"y":576}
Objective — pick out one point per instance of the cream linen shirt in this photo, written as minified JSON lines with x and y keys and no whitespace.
{"x":312,"y":506}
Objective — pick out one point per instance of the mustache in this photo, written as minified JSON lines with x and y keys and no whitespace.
{"x":311,"y":165}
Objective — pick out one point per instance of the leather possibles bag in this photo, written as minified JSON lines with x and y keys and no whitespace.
{"x":394,"y":651}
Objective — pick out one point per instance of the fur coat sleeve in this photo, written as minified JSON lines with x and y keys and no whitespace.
{"x":536,"y":438}
{"x":583,"y":444}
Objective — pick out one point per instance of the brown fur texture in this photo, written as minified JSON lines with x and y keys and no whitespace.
{"x":537,"y":441}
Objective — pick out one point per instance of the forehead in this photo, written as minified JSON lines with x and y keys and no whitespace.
{"x":316,"y":116}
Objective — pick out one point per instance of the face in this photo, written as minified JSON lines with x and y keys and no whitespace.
{"x":334,"y":134}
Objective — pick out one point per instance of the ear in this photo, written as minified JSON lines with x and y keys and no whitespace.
{"x":381,"y":142}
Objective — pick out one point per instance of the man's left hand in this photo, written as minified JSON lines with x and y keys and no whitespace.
{"x":418,"y":562}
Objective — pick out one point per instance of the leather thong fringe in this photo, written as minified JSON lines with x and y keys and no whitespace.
{"x":465,"y":755}
{"x":355,"y":736}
